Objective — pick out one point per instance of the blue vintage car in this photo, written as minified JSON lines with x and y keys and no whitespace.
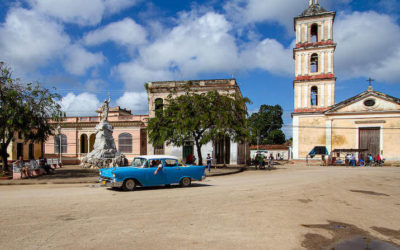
{"x":142,"y":172}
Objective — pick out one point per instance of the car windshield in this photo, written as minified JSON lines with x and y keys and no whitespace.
{"x":139,"y":163}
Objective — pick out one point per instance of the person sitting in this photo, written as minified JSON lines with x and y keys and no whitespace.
{"x":159,"y":166}
{"x":43,"y":164}
{"x":23,"y":168}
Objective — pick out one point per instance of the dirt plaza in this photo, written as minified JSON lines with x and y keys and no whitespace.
{"x":287,"y":208}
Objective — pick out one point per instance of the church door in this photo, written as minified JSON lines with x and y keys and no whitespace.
{"x":369,"y":138}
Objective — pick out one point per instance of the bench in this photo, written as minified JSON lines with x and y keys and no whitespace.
{"x":34,"y":169}
{"x":54,"y":163}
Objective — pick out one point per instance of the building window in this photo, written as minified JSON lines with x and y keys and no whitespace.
{"x":63,"y":139}
{"x":314,"y":63}
{"x":31,"y":151}
{"x":125,"y":143}
{"x":159,"y":106}
{"x":19,"y":135}
{"x":159,"y":150}
{"x":314,"y":96}
{"x":314,"y":33}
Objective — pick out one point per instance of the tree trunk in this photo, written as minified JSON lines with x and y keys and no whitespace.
{"x":4,"y":157}
{"x":198,"y":147}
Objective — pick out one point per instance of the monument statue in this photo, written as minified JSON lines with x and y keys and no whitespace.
{"x":104,"y":153}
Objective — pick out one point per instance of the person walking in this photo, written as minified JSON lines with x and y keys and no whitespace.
{"x":209,"y":162}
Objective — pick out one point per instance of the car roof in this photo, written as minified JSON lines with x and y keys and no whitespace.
{"x":149,"y":157}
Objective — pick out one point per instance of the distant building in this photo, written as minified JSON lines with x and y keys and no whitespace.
{"x":78,"y":136}
{"x":370,"y":120}
{"x":222,"y":151}
{"x":278,"y":151}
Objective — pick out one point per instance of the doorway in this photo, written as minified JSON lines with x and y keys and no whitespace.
{"x":369,"y":138}
{"x":20,"y":150}
{"x":188,"y":149}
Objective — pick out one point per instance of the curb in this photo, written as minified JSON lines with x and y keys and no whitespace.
{"x":92,"y":182}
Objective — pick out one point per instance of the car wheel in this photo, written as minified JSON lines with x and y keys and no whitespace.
{"x":129,"y":185}
{"x":185,"y":182}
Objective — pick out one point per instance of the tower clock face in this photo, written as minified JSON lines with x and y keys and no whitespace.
{"x":369,"y":102}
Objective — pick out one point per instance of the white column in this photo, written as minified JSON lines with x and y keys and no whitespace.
{"x":298,"y":34}
{"x":329,"y":30}
{"x":322,"y":62}
{"x":329,"y":94}
{"x":322,"y":95}
{"x":322,"y":31}
{"x":298,"y":88}
{"x":298,"y":60}
{"x":295,"y":130}
{"x":306,"y":62}
{"x":305,"y":96}
{"x":328,"y":135}
{"x":305,"y":33}
{"x":329,"y":62}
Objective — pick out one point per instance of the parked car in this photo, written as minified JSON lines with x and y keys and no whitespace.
{"x":142,"y":172}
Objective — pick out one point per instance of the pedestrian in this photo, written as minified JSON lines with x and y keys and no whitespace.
{"x":370,"y":160}
{"x":209,"y":162}
{"x":271,"y":161}
{"x":353,"y":160}
{"x":260,"y":161}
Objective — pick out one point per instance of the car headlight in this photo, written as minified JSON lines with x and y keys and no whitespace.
{"x":113,"y":174}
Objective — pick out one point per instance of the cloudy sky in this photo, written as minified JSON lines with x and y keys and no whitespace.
{"x":89,"y":48}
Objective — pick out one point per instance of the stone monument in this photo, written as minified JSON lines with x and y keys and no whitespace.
{"x":104,"y":153}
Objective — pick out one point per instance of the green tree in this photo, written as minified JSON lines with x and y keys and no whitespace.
{"x":25,"y":109}
{"x":200,"y":117}
{"x":265,"y":125}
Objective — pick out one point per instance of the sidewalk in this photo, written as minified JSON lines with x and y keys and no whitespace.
{"x":74,"y":174}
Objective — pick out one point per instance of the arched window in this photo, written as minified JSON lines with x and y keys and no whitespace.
{"x":314,"y":63}
{"x":125,"y":143}
{"x":84,"y":144}
{"x":60,"y":139}
{"x":314,"y":33}
{"x":92,"y":140}
{"x":314,"y":96}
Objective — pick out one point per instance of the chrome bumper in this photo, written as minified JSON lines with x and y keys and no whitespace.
{"x":110,"y":182}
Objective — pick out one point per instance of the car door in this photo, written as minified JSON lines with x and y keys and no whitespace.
{"x":154,"y":180}
{"x":172,"y":171}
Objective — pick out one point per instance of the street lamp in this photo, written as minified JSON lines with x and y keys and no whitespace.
{"x":60,"y":147}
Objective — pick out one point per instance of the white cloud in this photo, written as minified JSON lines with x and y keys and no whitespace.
{"x":137,"y":102}
{"x":368,"y":46}
{"x":78,"y":60}
{"x":29,"y":40}
{"x":269,"y":55}
{"x":125,"y":32}
{"x":88,"y":12}
{"x":135,"y":74}
{"x":84,"y":104}
{"x":245,"y":12}
{"x":202,"y":44}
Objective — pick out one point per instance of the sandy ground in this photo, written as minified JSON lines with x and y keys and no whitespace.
{"x":288,"y":208}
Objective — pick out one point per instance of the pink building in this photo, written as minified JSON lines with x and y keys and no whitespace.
{"x":78,"y":136}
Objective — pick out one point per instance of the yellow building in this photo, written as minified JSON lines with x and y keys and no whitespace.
{"x":370,"y":120}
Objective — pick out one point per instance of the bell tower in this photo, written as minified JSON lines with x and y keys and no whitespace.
{"x":314,"y":84}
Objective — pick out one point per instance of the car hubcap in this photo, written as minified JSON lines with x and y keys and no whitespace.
{"x":130,"y":184}
{"x":186,"y":181}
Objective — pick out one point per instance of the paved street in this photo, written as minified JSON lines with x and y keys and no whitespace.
{"x":288,"y":208}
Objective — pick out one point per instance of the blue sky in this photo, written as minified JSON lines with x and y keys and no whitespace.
{"x":89,"y":48}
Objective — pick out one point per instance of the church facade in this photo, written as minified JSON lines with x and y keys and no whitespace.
{"x":370,"y":120}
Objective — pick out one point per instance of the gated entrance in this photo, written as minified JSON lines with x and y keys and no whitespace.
{"x":369,"y":138}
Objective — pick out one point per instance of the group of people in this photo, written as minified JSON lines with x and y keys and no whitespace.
{"x":27,"y":171}
{"x":368,"y":160}
{"x":261,"y":161}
